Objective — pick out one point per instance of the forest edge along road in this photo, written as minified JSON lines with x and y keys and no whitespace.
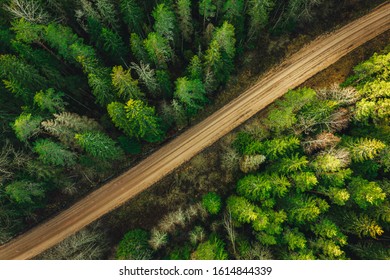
{"x":304,"y":64}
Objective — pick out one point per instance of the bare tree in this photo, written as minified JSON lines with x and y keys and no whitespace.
{"x":343,"y":96}
{"x":320,"y":142}
{"x":229,"y":227}
{"x":30,"y":10}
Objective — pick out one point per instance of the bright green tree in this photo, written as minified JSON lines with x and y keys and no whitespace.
{"x":50,"y":100}
{"x":26,"y":126}
{"x":195,"y":68}
{"x":212,"y":249}
{"x":364,"y":148}
{"x":143,"y":121}
{"x":212,"y":202}
{"x":134,"y":246}
{"x":99,"y":145}
{"x":366,"y":193}
{"x":242,"y":210}
{"x":124,"y":83}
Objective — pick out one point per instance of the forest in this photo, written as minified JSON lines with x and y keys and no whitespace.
{"x":311,"y":181}
{"x":89,"y":87}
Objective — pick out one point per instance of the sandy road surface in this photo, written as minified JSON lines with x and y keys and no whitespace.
{"x":313,"y":58}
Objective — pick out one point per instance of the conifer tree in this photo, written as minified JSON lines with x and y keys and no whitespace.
{"x":143,"y":121}
{"x":306,"y":208}
{"x":99,"y":145}
{"x":50,"y":100}
{"x":366,"y":193}
{"x":234,"y":13}
{"x":183,"y":11}
{"x":136,"y":120}
{"x":124,"y":83}
{"x":242,"y":210}
{"x":165,"y":22}
{"x":113,"y":44}
{"x":158,"y":49}
{"x":195,"y":68}
{"x":133,"y":15}
{"x":207,"y":9}
{"x":147,"y":76}
{"x":363,"y":148}
{"x":53,"y":153}
{"x":259,"y":12}
{"x":191,"y":93}
{"x":363,"y":226}
{"x":26,"y":126}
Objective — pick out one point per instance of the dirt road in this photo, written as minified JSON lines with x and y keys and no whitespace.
{"x":313,"y":58}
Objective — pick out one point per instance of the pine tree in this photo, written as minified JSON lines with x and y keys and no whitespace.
{"x":328,"y":249}
{"x":100,"y":82}
{"x":191,"y":93}
{"x":213,"y":66}
{"x":366,"y":193}
{"x":25,"y":192}
{"x":259,"y":12}
{"x":50,"y":100}
{"x":242,"y":210}
{"x":143,"y":121}
{"x":362,"y":225}
{"x":207,"y":9}
{"x":275,"y":148}
{"x":212,"y":249}
{"x":212,"y":203}
{"x":138,"y":48}
{"x":158,"y":49}
{"x":165,"y":22}
{"x":117,"y":112}
{"x":53,"y":153}
{"x":295,"y":239}
{"x":293,"y":164}
{"x":133,"y":15}
{"x":225,"y":37}
{"x":255,"y":188}
{"x":134,"y":246}
{"x":363,"y":148}
{"x":126,"y":86}
{"x":195,"y":69}
{"x":328,"y":229}
{"x":305,"y":208}
{"x":304,"y":181}
{"x":99,"y":145}
{"x":337,"y":196}
{"x":26,"y":126}
{"x":19,"y":77}
{"x":113,"y":44}
{"x":234,"y":13}
{"x":183,"y":11}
